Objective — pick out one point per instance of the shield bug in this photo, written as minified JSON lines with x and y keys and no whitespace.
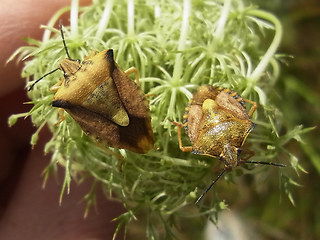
{"x":109,"y":106}
{"x":217,"y":124}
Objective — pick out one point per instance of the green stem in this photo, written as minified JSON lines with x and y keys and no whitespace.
{"x":259,"y":70}
{"x":52,"y":21}
{"x":74,"y":17}
{"x":130,"y":17}
{"x":157,"y":10}
{"x":177,"y":72}
{"x":103,"y":23}
{"x":223,"y":19}
{"x":172,"y":103}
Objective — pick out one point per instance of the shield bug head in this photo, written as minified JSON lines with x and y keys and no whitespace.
{"x":109,"y":106}
{"x":218,"y":124}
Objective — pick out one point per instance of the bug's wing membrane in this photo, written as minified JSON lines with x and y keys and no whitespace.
{"x":134,"y":137}
{"x":127,"y":88}
{"x":105,"y":100}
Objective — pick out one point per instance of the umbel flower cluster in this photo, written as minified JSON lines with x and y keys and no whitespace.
{"x":177,"y":46}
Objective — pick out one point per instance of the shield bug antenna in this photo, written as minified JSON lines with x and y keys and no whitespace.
{"x":213,"y":182}
{"x":67,"y":52}
{"x":265,"y":163}
{"x":226,"y":168}
{"x":31,"y":87}
{"x":63,"y":40}
{"x":218,"y":124}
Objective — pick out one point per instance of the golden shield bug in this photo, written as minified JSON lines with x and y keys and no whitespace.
{"x":217,"y":124}
{"x":109,"y":106}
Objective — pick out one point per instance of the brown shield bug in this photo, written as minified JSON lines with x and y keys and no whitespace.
{"x":217,"y":124}
{"x":104,"y":101}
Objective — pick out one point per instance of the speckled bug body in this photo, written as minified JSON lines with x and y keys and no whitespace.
{"x":218,"y":124}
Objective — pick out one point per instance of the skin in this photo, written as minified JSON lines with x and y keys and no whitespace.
{"x":27,"y":211}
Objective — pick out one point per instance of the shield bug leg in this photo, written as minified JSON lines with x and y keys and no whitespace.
{"x":253,"y":107}
{"x":55,"y":87}
{"x":61,"y":116}
{"x":135,"y":71}
{"x":182,"y":148}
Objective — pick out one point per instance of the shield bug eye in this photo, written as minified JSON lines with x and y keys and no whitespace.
{"x":220,"y":115}
{"x":104,"y":101}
